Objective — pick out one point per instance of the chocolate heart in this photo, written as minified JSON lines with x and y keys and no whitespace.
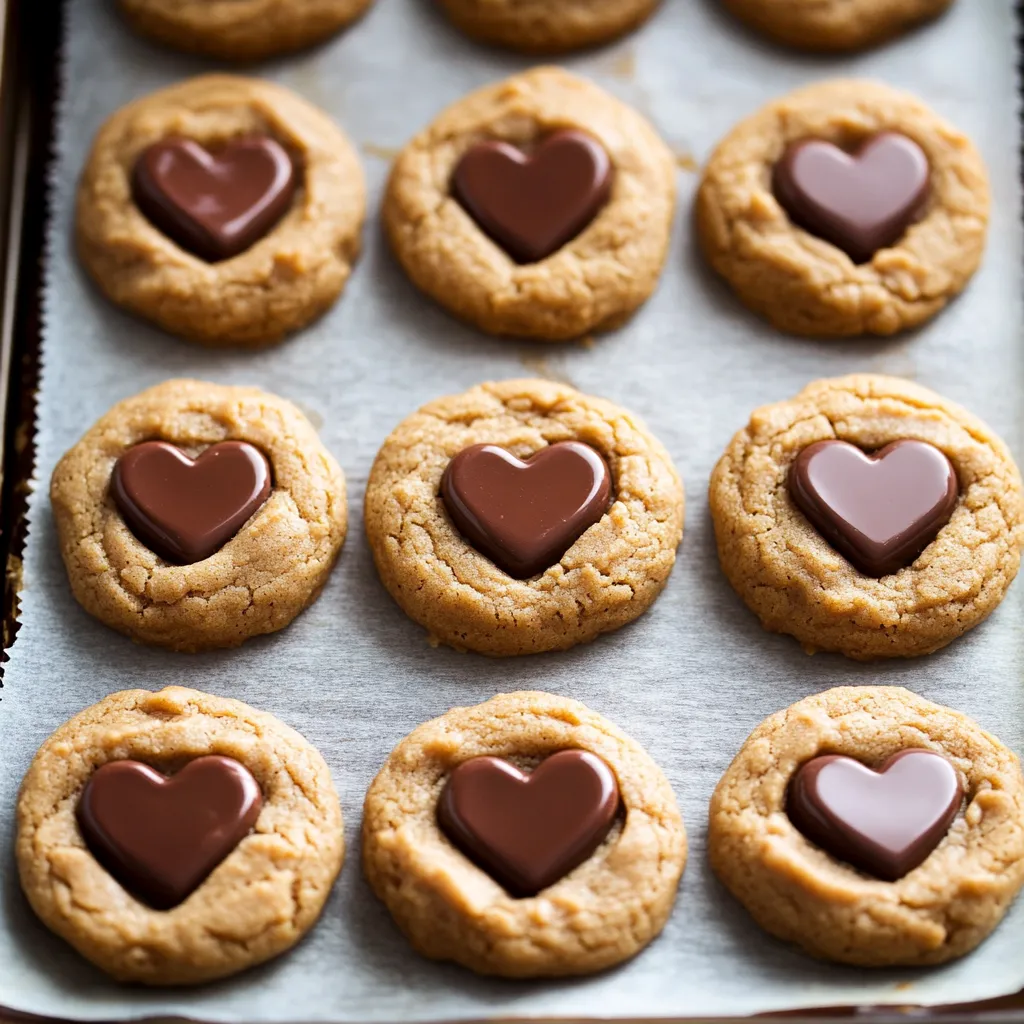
{"x":887,"y":822}
{"x":525,"y":515}
{"x":528,"y":831}
{"x":161,"y":836}
{"x":214,"y":204}
{"x":532,"y":204}
{"x":185,"y":510}
{"x":860,"y":202}
{"x":880,"y":511}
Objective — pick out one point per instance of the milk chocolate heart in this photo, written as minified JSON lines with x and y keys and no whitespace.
{"x":214,"y":204}
{"x":528,"y":831}
{"x":880,"y":511}
{"x":160,"y":836}
{"x":532,"y":204}
{"x":860,"y":202}
{"x":185,"y":510}
{"x":525,"y":515}
{"x":887,"y":822}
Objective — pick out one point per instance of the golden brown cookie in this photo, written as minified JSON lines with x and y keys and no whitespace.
{"x":603,"y":912}
{"x":605,"y":579}
{"x":536,"y":26}
{"x":792,"y":577}
{"x":242,"y":30}
{"x":287,"y":278}
{"x":596,"y":279}
{"x":257,"y":902}
{"x":834,"y":25}
{"x":259,"y":579}
{"x":808,"y":286}
{"x":794,"y":889}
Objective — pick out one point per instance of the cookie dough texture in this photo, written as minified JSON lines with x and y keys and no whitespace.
{"x":807,"y":286}
{"x":259,"y":580}
{"x":287,"y":279}
{"x":793,"y":889}
{"x":603,"y":912}
{"x":538,"y":26}
{"x":594,"y":282}
{"x":834,"y":25}
{"x":611,"y":575}
{"x":798,"y":584}
{"x":240,"y":30}
{"x":258,"y":902}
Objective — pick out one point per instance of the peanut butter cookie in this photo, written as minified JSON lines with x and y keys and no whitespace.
{"x":594,"y":822}
{"x":869,"y":516}
{"x":835,"y":25}
{"x":174,"y":837}
{"x":888,"y":775}
{"x":195,"y":516}
{"x":844,"y":208}
{"x":227,"y":210}
{"x":539,"y":207}
{"x":503,"y":556}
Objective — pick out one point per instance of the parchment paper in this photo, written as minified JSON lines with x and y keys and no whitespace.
{"x":689,"y":680}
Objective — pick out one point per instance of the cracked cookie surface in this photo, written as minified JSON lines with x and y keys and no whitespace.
{"x":797,"y":892}
{"x":240,"y":30}
{"x":259,"y":580}
{"x":601,"y":913}
{"x":536,"y":26}
{"x":796,"y":583}
{"x":831,"y":25}
{"x":807,"y":286}
{"x":609,"y":576}
{"x":595,"y":281}
{"x":283,"y":281}
{"x":257,"y":903}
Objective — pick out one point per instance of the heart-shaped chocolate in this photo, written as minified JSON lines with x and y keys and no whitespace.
{"x":528,"y":831}
{"x":887,"y":822}
{"x":860,"y":202}
{"x":214,"y":204}
{"x":880,"y":511}
{"x":160,"y":836}
{"x":532,"y":204}
{"x":185,"y":509}
{"x":525,"y":515}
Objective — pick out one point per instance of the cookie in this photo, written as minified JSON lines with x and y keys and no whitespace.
{"x":845,"y":208}
{"x":173,"y":837}
{"x":869,"y":516}
{"x":524,"y":837}
{"x":935,"y":802}
{"x":538,"y":207}
{"x":240,"y":30}
{"x":536,"y":26}
{"x":834,"y":25}
{"x":523,"y":516}
{"x":226,"y":210}
{"x":194,"y":516}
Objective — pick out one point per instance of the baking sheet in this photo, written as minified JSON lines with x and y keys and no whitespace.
{"x":689,"y":680}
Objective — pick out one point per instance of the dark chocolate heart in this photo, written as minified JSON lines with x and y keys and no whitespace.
{"x":161,"y":836}
{"x":860,"y":202}
{"x":532,"y":204}
{"x":528,"y":831}
{"x":525,"y":515}
{"x":880,"y":511}
{"x":185,"y":510}
{"x":214,"y":204}
{"x":887,"y":822}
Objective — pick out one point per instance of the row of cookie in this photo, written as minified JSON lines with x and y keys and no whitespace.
{"x":263,"y":28}
{"x":229,"y":211}
{"x":175,"y":837}
{"x":866,"y":515}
